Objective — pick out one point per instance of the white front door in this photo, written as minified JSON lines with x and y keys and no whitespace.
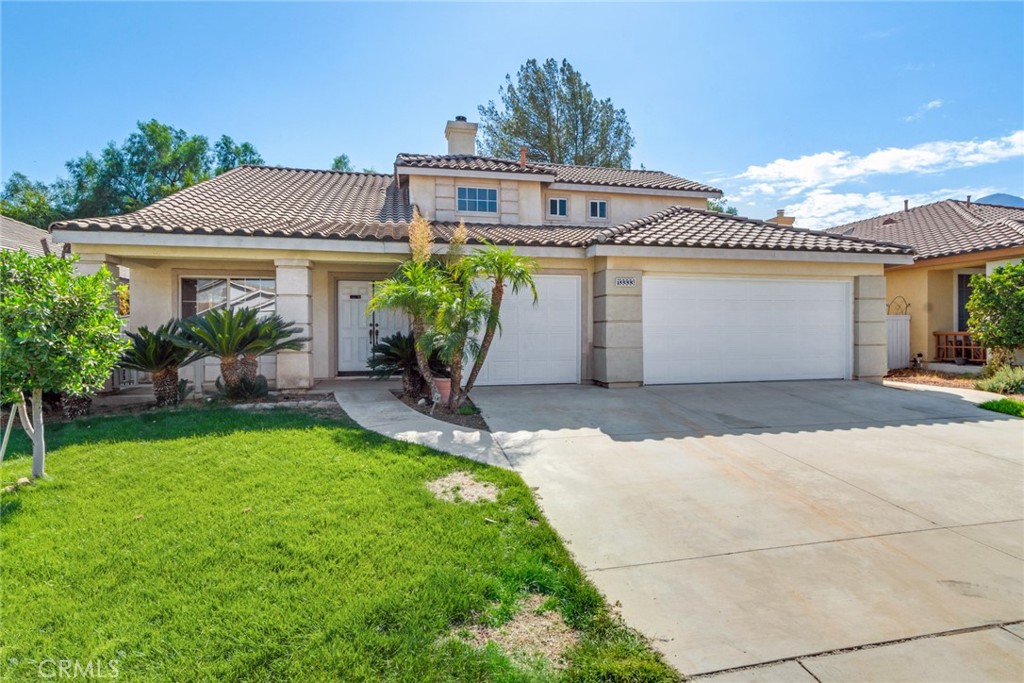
{"x":358,"y":330}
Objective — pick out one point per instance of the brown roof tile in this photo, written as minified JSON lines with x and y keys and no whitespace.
{"x":944,"y":228}
{"x":467,"y":162}
{"x":681,"y":226}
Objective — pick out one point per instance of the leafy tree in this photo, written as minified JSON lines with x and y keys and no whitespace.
{"x":153,"y":162}
{"x":228,"y":155}
{"x":59,"y":332}
{"x":156,"y":353}
{"x":342,"y":163}
{"x":721,"y":206}
{"x":996,"y":309}
{"x":27,"y":201}
{"x":552,"y":111}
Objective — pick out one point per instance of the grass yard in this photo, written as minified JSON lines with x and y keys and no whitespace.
{"x":210,"y":544}
{"x":1005,"y":405}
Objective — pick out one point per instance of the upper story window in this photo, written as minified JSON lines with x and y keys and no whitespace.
{"x":200,"y":294}
{"x":479,"y":199}
{"x":558,"y":207}
{"x":598,"y":209}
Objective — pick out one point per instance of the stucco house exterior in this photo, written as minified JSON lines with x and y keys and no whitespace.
{"x":953,"y":240}
{"x":638,"y":282}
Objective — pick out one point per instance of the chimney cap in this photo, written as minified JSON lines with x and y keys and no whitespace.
{"x":460,"y":118}
{"x":906,"y":205}
{"x":780,"y":213}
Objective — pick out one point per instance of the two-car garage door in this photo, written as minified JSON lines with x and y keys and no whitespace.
{"x":741,"y":330}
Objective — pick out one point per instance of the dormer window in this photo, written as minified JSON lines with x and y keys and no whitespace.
{"x":478,"y":199}
{"x":598,"y":209}
{"x":558,"y":207}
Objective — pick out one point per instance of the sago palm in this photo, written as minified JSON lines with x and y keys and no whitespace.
{"x":504,"y":269}
{"x":156,"y":353}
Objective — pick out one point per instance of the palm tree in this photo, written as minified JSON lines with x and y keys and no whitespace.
{"x":461,"y":311}
{"x":503,"y":268}
{"x":157,"y":354}
{"x":415,"y":288}
{"x":237,"y":336}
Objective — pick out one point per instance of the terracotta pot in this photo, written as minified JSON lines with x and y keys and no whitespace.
{"x":444,"y":386}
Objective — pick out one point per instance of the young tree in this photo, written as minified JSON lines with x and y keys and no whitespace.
{"x":342,"y":163}
{"x":58,"y":332}
{"x":552,"y":111}
{"x":996,"y":309}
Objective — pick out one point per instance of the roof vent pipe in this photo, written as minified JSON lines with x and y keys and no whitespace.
{"x":968,"y":201}
{"x":906,"y":205}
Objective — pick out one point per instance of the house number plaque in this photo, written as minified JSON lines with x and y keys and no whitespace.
{"x":625,"y":282}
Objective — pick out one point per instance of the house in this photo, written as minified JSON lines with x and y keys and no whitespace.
{"x":15,"y":235}
{"x":638,"y":282}
{"x":953,"y":240}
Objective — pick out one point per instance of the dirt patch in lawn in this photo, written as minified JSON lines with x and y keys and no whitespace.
{"x":531,"y":633}
{"x":472,"y":420}
{"x":938,"y":379}
{"x":461,"y":486}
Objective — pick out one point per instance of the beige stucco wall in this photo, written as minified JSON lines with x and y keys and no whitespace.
{"x":524,"y":202}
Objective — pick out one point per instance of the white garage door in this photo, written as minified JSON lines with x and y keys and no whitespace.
{"x":539,"y":344}
{"x":739,"y":330}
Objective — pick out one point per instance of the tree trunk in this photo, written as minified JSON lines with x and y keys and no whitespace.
{"x":231,"y":371}
{"x":38,"y":437}
{"x":455,"y":397}
{"x":418,"y":330}
{"x":250,"y":367}
{"x":165,"y":386}
{"x":497,"y":293}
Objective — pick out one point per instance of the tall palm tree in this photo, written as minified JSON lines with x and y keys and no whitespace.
{"x":156,"y":353}
{"x":503,"y":268}
{"x":415,"y":288}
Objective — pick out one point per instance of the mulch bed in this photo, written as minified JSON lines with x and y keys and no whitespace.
{"x":938,"y":379}
{"x":441,"y":412}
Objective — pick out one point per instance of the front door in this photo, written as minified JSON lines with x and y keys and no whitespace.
{"x":359,"y":330}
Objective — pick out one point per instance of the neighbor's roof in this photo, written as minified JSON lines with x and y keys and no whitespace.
{"x":284,"y":202}
{"x":682,"y":226}
{"x":563,"y":173}
{"x":944,"y":228}
{"x":16,"y":235}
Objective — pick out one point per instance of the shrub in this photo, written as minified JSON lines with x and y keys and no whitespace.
{"x":1008,"y":379}
{"x":996,"y":308}
{"x":245,"y":389}
{"x":397,"y":355}
{"x":156,"y":353}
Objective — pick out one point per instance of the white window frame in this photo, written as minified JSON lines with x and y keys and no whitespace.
{"x":497,"y":200}
{"x":227,"y":279}
{"x":558,"y":216}
{"x":590,"y":206}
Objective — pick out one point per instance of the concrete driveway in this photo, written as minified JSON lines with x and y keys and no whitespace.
{"x":786,"y":525}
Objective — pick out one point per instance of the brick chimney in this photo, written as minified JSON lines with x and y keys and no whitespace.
{"x":461,"y":136}
{"x":522,"y":156}
{"x":781,"y":218}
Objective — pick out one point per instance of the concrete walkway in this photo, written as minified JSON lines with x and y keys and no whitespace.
{"x":371,"y":404}
{"x":970,"y":395}
{"x":829,"y":531}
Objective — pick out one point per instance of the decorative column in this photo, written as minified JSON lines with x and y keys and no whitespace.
{"x":618,"y":328}
{"x":294,"y":287}
{"x":870,"y":361}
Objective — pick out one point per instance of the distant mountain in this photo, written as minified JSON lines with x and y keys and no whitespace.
{"x":1002,"y":199}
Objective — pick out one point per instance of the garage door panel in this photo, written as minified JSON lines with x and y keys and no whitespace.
{"x":732,"y":329}
{"x":539,"y":344}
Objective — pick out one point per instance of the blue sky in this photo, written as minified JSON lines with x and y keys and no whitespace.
{"x":832,"y":111}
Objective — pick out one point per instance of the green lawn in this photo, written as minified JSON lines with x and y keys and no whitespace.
{"x":210,"y":544}
{"x":1005,"y":405}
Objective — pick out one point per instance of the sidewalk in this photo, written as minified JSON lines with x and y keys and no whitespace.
{"x":371,"y":404}
{"x":969,"y":395}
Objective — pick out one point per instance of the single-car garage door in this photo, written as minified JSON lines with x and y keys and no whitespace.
{"x":539,"y":344}
{"x":739,"y":330}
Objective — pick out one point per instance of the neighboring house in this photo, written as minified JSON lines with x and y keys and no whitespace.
{"x":638,"y":283}
{"x":953,"y":240}
{"x":15,"y":235}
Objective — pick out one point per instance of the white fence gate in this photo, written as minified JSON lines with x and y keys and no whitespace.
{"x":898,"y":335}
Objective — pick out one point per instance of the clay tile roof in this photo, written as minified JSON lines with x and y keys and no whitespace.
{"x":563,"y":173}
{"x":269,"y":201}
{"x":625,"y":177}
{"x":15,"y":235}
{"x":681,"y":226}
{"x":467,"y":162}
{"x":944,"y":228}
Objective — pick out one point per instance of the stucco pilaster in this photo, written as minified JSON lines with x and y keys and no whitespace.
{"x":294,"y":284}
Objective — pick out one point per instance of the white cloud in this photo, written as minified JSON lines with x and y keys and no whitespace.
{"x":793,"y":177}
{"x":924,"y":108}
{"x":822,"y":208}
